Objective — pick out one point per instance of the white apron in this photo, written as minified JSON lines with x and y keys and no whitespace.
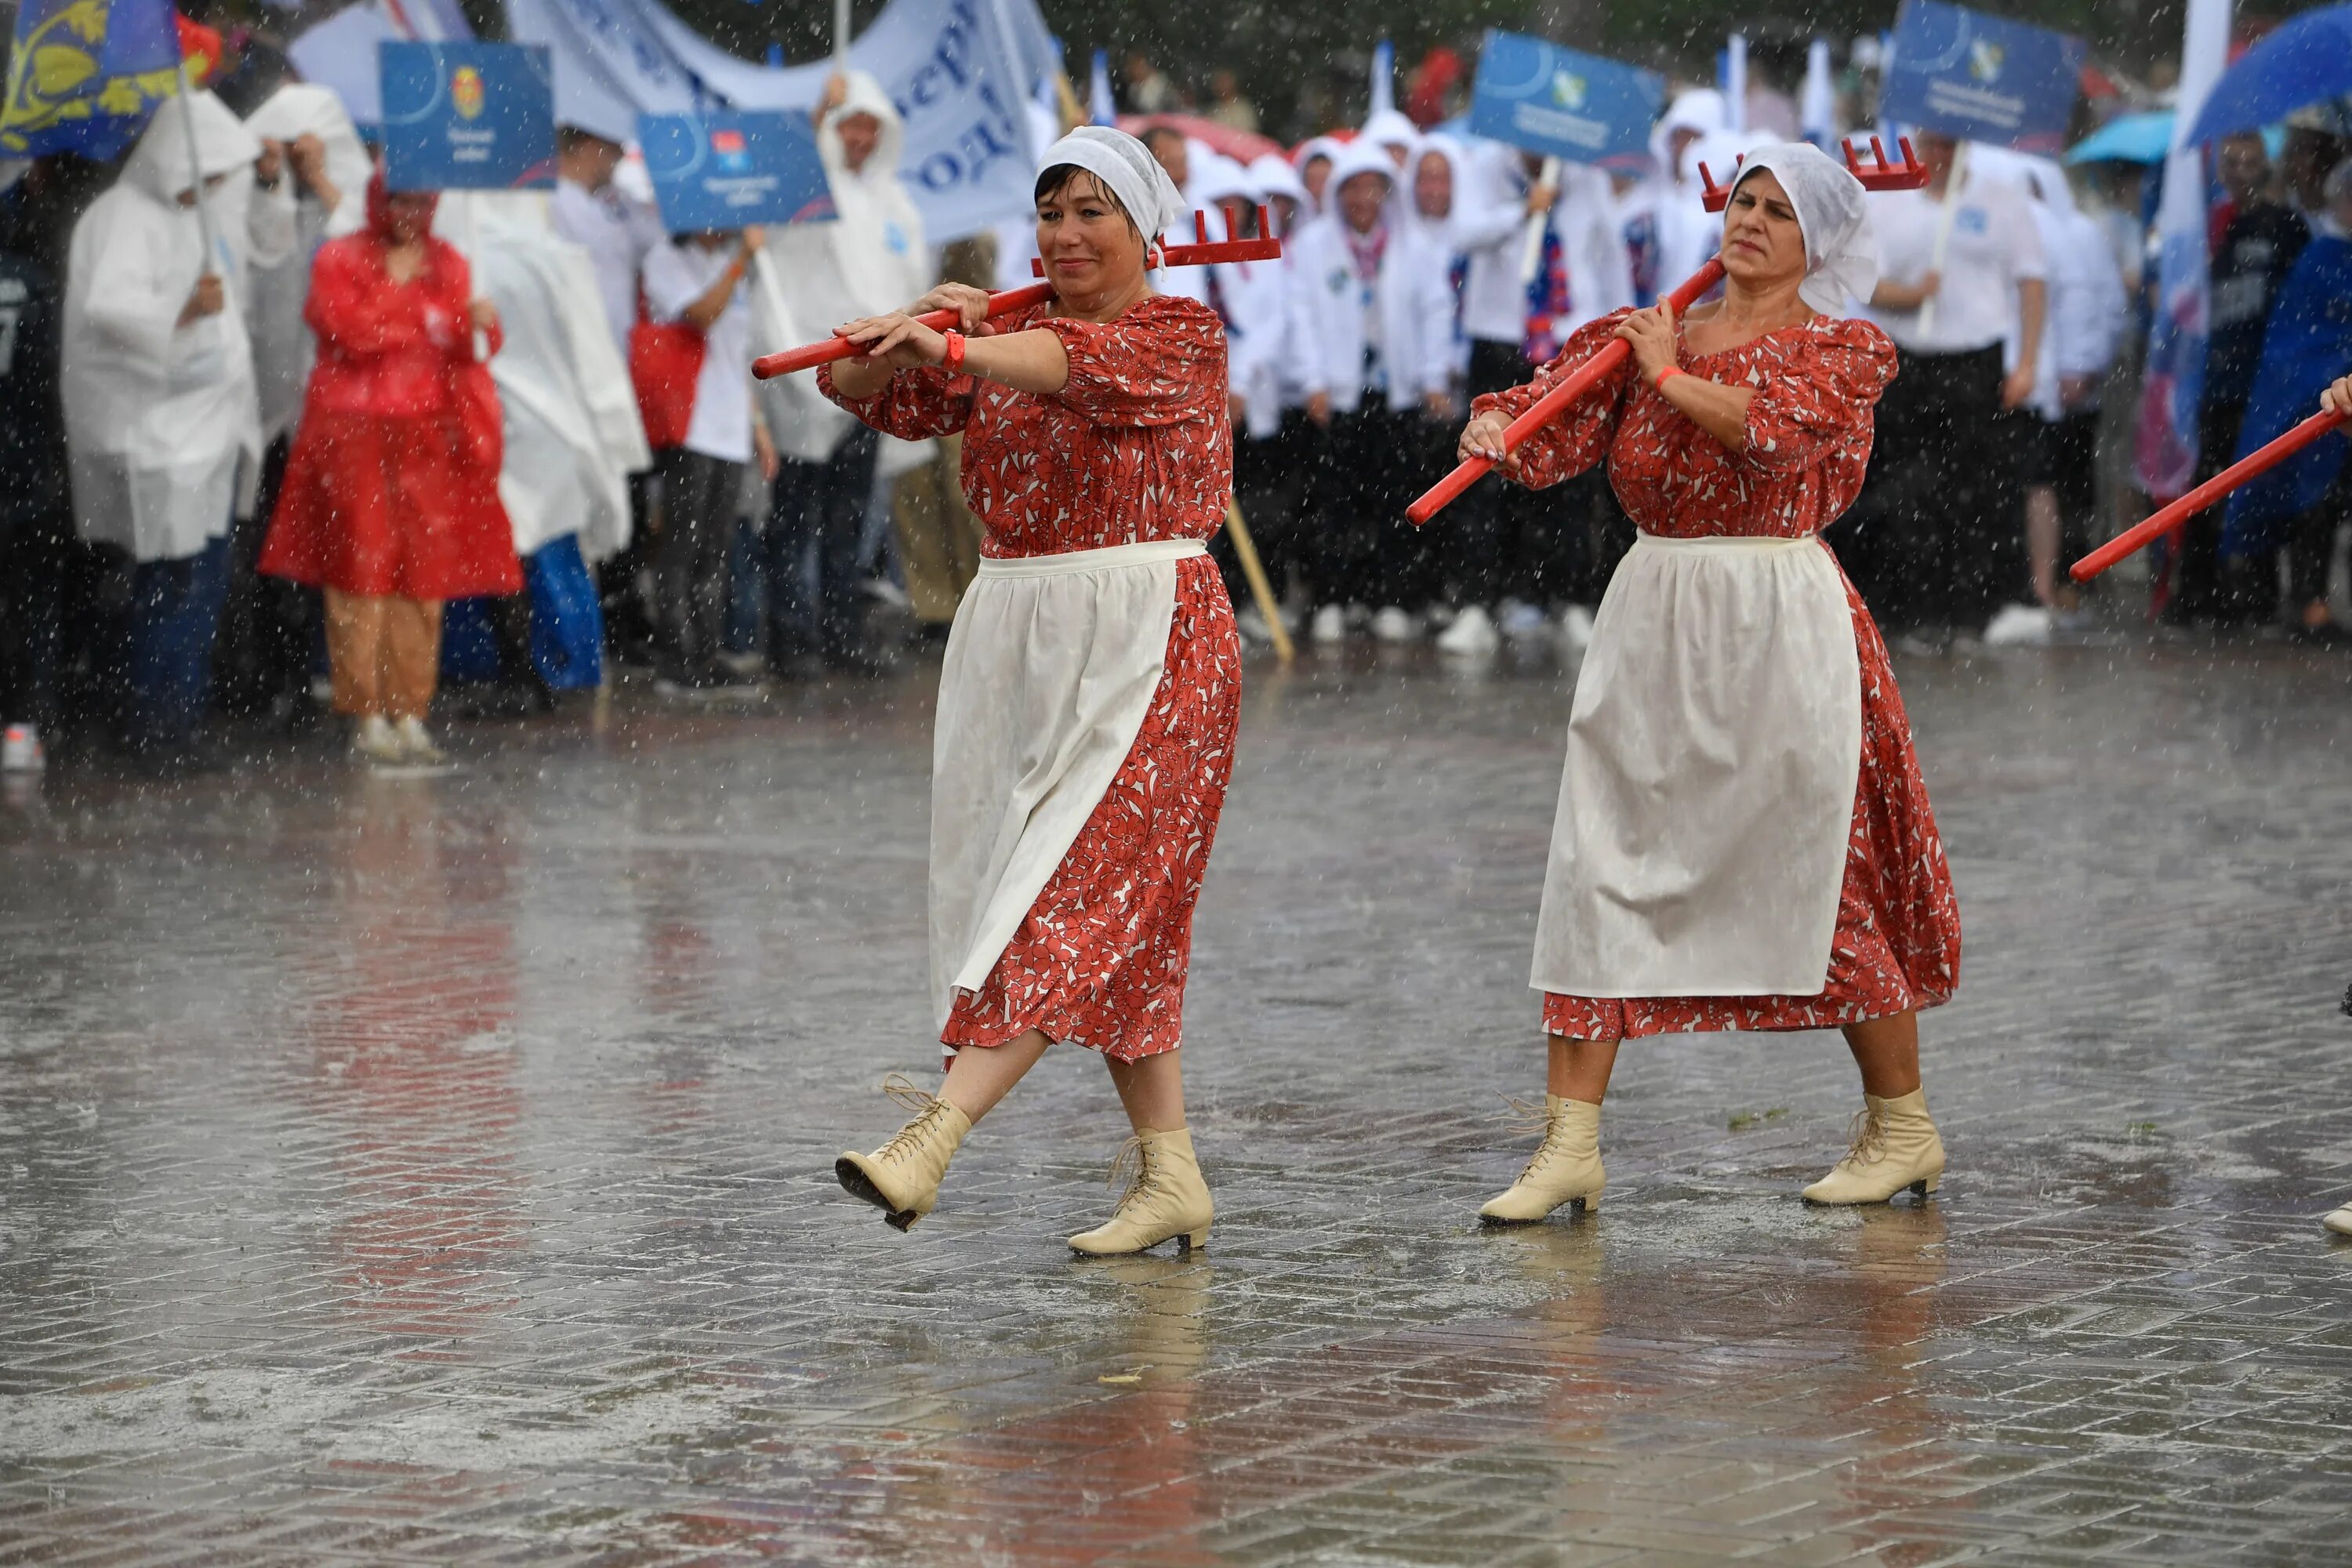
{"x":1714,"y":749}
{"x":1051,"y":665}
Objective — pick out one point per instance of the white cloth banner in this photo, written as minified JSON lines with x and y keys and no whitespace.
{"x":960,"y":72}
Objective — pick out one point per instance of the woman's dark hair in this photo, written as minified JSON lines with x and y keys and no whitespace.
{"x":1054,"y":179}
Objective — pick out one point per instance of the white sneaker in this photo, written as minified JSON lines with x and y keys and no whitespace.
{"x":1472,"y":635}
{"x":1330,"y":624}
{"x":1252,"y":625}
{"x":375,"y":741}
{"x":1394,"y":625}
{"x":20,"y":750}
{"x":1576,"y":628}
{"x":2340,"y":1222}
{"x":416,"y":743}
{"x":1520,"y":620}
{"x":2019,"y":624}
{"x":1439,"y":616}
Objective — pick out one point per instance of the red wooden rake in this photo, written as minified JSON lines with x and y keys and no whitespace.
{"x":2138,"y":537}
{"x":1233,"y":247}
{"x":1910,"y":174}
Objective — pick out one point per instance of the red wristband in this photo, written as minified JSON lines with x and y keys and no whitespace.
{"x":1668,"y":375}
{"x":954,"y":361}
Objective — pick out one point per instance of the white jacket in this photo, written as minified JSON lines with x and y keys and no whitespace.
{"x":572,"y":433}
{"x":1415,"y":307}
{"x":283,"y":346}
{"x":1490,"y":230}
{"x":158,"y":415}
{"x":870,"y":259}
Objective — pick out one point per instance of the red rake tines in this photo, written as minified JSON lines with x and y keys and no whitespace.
{"x":1233,"y":247}
{"x":1908,"y":175}
{"x":2140,"y":535}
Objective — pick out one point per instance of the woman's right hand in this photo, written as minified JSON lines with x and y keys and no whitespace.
{"x":966,"y":301}
{"x":1482,"y":438}
{"x":897,"y":339}
{"x":2338,"y":399}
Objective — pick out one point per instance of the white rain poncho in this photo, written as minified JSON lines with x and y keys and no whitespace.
{"x":572,"y":434}
{"x":158,"y":415}
{"x":1841,"y":251}
{"x":817,"y":276}
{"x":283,"y":346}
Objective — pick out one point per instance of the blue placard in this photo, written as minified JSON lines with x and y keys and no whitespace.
{"x":730,"y":167}
{"x":466,"y":116}
{"x":1563,"y":104}
{"x":1982,"y":77}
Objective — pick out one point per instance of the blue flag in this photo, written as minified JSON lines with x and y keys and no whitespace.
{"x":1538,"y":96}
{"x":725,"y":168}
{"x":1981,"y":78}
{"x":467,"y":117}
{"x":85,"y":76}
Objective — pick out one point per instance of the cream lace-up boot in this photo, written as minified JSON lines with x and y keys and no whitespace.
{"x":2340,"y":1222}
{"x":1567,"y":1169}
{"x":1895,"y":1145}
{"x":902,"y":1177}
{"x":1165,"y":1196}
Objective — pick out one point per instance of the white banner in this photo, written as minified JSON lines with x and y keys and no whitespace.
{"x":958,"y":70}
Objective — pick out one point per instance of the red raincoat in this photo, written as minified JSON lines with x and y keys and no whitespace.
{"x":393,"y":484}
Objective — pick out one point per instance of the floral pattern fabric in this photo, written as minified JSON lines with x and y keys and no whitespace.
{"x":1138,"y":446}
{"x":1898,"y":943}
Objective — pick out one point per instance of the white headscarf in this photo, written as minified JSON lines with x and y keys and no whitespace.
{"x":1840,"y":250}
{"x":1127,"y":168}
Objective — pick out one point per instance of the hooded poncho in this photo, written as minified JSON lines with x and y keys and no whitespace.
{"x":282,"y":345}
{"x":157,"y":413}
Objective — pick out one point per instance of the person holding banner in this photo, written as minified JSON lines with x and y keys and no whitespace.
{"x":1093,"y":680}
{"x":1743,"y":841}
{"x":391,"y":496}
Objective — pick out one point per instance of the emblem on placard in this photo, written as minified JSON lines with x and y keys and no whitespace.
{"x":465,"y":92}
{"x":733,"y":155}
{"x":1985,"y":59}
{"x":1567,"y":90}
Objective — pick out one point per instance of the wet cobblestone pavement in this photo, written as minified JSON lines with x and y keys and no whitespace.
{"x":427,"y":1171}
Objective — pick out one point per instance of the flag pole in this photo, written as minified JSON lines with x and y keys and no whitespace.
{"x":840,"y":35}
{"x":196,"y":172}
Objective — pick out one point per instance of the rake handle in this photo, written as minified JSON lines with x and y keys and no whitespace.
{"x":2254,"y":464}
{"x":1564,"y":392}
{"x":808,"y":356}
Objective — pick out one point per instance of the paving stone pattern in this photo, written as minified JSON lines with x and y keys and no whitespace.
{"x":439,"y":1171}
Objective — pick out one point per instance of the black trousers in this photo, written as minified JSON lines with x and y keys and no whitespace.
{"x":2205,"y":587}
{"x":270,"y":628}
{"x":1364,"y":551}
{"x":1271,"y":481}
{"x":1937,"y":537}
{"x":699,"y":502}
{"x":1473,"y":542}
{"x":820,"y":506}
{"x":36,"y":557}
{"x":2311,"y":545}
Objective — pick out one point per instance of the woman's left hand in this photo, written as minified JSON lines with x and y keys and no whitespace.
{"x":1651,"y":333}
{"x":485,"y":314}
{"x":897,"y":339}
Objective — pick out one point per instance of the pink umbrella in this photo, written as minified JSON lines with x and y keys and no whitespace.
{"x":1239,"y":145}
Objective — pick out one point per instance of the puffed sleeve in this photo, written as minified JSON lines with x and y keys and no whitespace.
{"x":1567,"y":446}
{"x":914,"y":404}
{"x":1822,"y":398}
{"x":1162,"y":365}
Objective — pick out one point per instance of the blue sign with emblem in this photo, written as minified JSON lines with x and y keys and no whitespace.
{"x":1981,"y":78}
{"x":729,"y":167}
{"x":1538,"y":96}
{"x":466,"y":116}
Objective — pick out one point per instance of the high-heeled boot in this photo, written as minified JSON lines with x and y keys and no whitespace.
{"x":1567,"y":1169}
{"x":1895,"y":1145}
{"x":2340,"y":1222}
{"x":902,"y":1177}
{"x":1165,"y":1196}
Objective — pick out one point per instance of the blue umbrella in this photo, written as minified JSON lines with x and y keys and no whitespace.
{"x":2304,"y":62}
{"x":2127,"y":139}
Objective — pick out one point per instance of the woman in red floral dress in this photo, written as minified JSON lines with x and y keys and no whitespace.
{"x":1743,"y":839}
{"x":1092,"y":683}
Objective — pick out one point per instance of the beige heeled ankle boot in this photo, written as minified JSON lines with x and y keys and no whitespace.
{"x":1164,"y":1198}
{"x":902,"y":1177}
{"x":1895,"y":1145}
{"x":1567,"y":1169}
{"x":2340,"y":1222}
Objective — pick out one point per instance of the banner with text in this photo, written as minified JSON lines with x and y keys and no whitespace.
{"x":1981,"y":78}
{"x":728,"y":168}
{"x":467,"y":117}
{"x":1548,"y":99}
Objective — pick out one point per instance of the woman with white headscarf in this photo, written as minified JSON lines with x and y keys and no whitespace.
{"x":1092,"y":686}
{"x":1743,"y":841}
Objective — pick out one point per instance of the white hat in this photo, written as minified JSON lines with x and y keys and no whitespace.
{"x":1127,"y":168}
{"x":1841,"y":249}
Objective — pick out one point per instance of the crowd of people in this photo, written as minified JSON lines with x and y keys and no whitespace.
{"x":287,"y":436}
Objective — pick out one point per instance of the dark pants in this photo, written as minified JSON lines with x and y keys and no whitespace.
{"x":36,"y":550}
{"x":820,"y":507}
{"x":699,"y":501}
{"x":2204,"y":586}
{"x":1474,"y":540}
{"x":269,"y":627}
{"x":1366,"y":552}
{"x":1936,"y":539}
{"x":628,"y":619}
{"x":167,"y":654}
{"x":1271,"y":481}
{"x":2311,"y":546}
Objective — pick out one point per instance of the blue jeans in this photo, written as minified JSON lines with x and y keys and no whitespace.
{"x":175,"y":611}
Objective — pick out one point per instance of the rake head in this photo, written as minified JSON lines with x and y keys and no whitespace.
{"x":1232,"y":247}
{"x":1879,"y":174}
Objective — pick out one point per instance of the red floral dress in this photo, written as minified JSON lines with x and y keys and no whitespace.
{"x":1138,"y":446}
{"x":1897,"y":945}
